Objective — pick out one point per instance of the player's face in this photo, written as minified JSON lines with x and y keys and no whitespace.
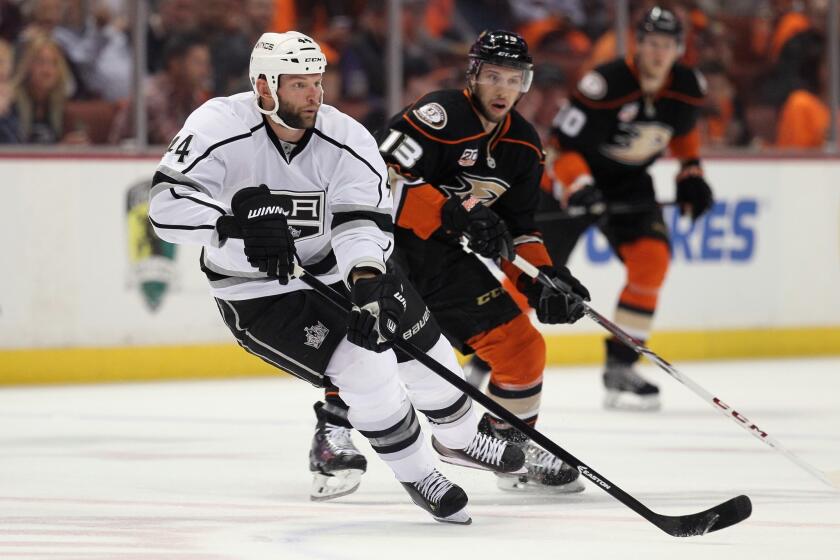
{"x":300,"y":98}
{"x":657,"y":53}
{"x":497,"y":88}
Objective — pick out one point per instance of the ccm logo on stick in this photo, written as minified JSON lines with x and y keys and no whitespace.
{"x":738,"y":416}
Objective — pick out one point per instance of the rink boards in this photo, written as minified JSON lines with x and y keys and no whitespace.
{"x":87,"y":293}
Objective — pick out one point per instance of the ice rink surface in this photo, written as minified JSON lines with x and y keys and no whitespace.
{"x":218,"y":471}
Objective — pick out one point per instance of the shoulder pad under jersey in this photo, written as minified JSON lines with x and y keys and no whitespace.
{"x":444,"y":115}
{"x":523,"y":132}
{"x":688,"y":84}
{"x":606,"y":84}
{"x":220,"y":118}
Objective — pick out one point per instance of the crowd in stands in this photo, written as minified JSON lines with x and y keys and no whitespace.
{"x":66,"y":66}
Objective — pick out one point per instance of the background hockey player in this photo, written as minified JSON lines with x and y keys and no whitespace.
{"x":619,"y":120}
{"x":455,"y":144}
{"x":261,"y":178}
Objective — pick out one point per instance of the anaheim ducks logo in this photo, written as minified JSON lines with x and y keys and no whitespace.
{"x":485,"y":189}
{"x":637,"y":142}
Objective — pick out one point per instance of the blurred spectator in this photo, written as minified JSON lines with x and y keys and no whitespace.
{"x":8,"y":121}
{"x":794,"y":44}
{"x":723,"y":120}
{"x":485,"y":14}
{"x":96,"y":45}
{"x":805,"y":118}
{"x":222,"y":22}
{"x":255,"y":20}
{"x":11,"y":20}
{"x":552,"y":25}
{"x":40,"y":93}
{"x":362,"y":63}
{"x":173,"y":17}
{"x":606,"y":47}
{"x":259,"y":16}
{"x":792,"y":21}
{"x":174,"y":92}
{"x":42,"y":17}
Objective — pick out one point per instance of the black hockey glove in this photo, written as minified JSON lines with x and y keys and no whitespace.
{"x":587,"y":200}
{"x":486,"y":233}
{"x":258,"y":221}
{"x":555,"y":307}
{"x":378,"y":307}
{"x":693,"y":192}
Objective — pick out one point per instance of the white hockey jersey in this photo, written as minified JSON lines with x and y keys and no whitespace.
{"x":333,"y":185}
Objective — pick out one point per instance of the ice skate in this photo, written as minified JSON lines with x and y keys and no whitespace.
{"x":544,"y":472}
{"x":444,"y":500}
{"x":484,"y":452}
{"x":627,"y":390}
{"x":336,"y":465}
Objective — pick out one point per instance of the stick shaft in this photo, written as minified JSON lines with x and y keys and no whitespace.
{"x":640,"y":348}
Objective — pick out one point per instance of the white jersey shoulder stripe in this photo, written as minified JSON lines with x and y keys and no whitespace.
{"x":222,"y":143}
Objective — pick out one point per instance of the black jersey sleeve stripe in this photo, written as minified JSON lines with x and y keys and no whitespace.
{"x":198,"y":201}
{"x":164,"y":178}
{"x":171,"y":226}
{"x":382,"y":221}
{"x":222,"y":143}
{"x":357,"y":156}
{"x":323,"y":266}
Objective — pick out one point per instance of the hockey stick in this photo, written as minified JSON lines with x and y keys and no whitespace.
{"x":575,"y":212}
{"x":719,"y":517}
{"x":831,"y":479}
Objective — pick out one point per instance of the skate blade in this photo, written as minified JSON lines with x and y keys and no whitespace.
{"x":330,"y":486}
{"x":624,"y":400}
{"x":519,"y":484}
{"x":460,"y":517}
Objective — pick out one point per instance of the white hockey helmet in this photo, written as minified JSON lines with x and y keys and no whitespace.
{"x":283,"y":53}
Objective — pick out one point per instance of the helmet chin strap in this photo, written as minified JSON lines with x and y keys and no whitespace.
{"x":272,"y":114}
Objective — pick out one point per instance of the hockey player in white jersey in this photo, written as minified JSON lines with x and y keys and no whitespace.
{"x":262,"y":178}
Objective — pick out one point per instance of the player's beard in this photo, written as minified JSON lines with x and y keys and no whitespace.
{"x":294,"y":118}
{"x":482,"y":107}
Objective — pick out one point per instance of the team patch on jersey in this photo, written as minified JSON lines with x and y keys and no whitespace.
{"x":593,"y":85}
{"x":628,"y":112}
{"x":468,"y":158}
{"x":433,"y":114}
{"x":485,"y":189}
{"x":304,"y":212}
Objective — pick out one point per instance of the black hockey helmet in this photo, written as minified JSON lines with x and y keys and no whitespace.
{"x":504,"y":48}
{"x":660,"y":20}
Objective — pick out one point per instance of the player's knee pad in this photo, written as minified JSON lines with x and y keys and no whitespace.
{"x":515,"y":352}
{"x":647,"y":260}
{"x":426,"y":389}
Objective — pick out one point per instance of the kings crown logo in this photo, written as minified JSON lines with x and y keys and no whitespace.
{"x":315,"y":334}
{"x":152,"y":260}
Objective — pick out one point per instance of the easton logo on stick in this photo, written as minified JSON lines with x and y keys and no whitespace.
{"x":591,"y":476}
